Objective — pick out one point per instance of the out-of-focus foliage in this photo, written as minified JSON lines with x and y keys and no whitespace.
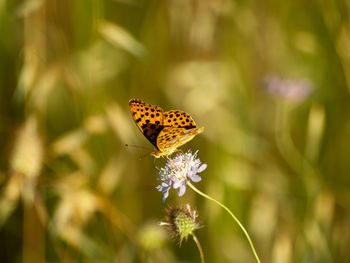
{"x":269,"y":81}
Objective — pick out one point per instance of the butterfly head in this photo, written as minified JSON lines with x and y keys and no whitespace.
{"x":155,"y":153}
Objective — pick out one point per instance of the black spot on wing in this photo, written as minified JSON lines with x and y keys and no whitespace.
{"x":177,"y":118}
{"x":151,"y":132}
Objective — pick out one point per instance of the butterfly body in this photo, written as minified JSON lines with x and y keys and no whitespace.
{"x":165,"y":130}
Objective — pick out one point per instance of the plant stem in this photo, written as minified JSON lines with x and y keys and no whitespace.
{"x":231,"y":214}
{"x":199,"y":247}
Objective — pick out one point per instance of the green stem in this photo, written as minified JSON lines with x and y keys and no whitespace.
{"x":231,"y":214}
{"x":199,"y":247}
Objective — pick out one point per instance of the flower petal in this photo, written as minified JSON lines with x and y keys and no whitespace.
{"x":196,"y":178}
{"x":165,"y":196}
{"x":177,"y":184}
{"x":182,"y":190}
{"x":202,"y":168}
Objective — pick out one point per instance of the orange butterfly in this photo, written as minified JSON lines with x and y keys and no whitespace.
{"x":165,"y":130}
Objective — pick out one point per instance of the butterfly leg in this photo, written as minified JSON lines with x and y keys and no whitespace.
{"x":179,"y":150}
{"x":154,"y":163}
{"x":170,"y":160}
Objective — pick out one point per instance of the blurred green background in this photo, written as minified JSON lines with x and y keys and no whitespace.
{"x":269,"y":81}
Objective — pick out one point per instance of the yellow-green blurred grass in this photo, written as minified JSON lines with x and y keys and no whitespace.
{"x":71,"y":191}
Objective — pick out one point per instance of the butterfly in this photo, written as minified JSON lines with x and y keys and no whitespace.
{"x":165,"y":130}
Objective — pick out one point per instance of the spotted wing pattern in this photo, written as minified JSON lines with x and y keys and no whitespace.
{"x":144,"y":113}
{"x":148,"y":118}
{"x":166,"y":131}
{"x":177,"y":118}
{"x":171,"y":138}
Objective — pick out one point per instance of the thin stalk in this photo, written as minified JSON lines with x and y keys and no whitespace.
{"x":199,"y":247}
{"x":231,"y":214}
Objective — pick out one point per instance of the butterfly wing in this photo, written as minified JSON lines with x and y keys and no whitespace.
{"x":177,"y":118}
{"x":144,"y":113}
{"x":166,"y":131}
{"x":148,"y":118}
{"x":170,"y":138}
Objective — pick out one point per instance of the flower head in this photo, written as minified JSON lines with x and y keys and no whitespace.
{"x":178,"y":170}
{"x":181,"y":221}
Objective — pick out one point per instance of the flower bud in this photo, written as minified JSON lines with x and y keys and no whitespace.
{"x":181,"y":221}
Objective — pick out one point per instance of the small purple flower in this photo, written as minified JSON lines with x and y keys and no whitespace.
{"x":294,"y":90}
{"x":177,"y":171}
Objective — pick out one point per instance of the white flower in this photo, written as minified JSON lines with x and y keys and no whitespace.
{"x":177,"y":171}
